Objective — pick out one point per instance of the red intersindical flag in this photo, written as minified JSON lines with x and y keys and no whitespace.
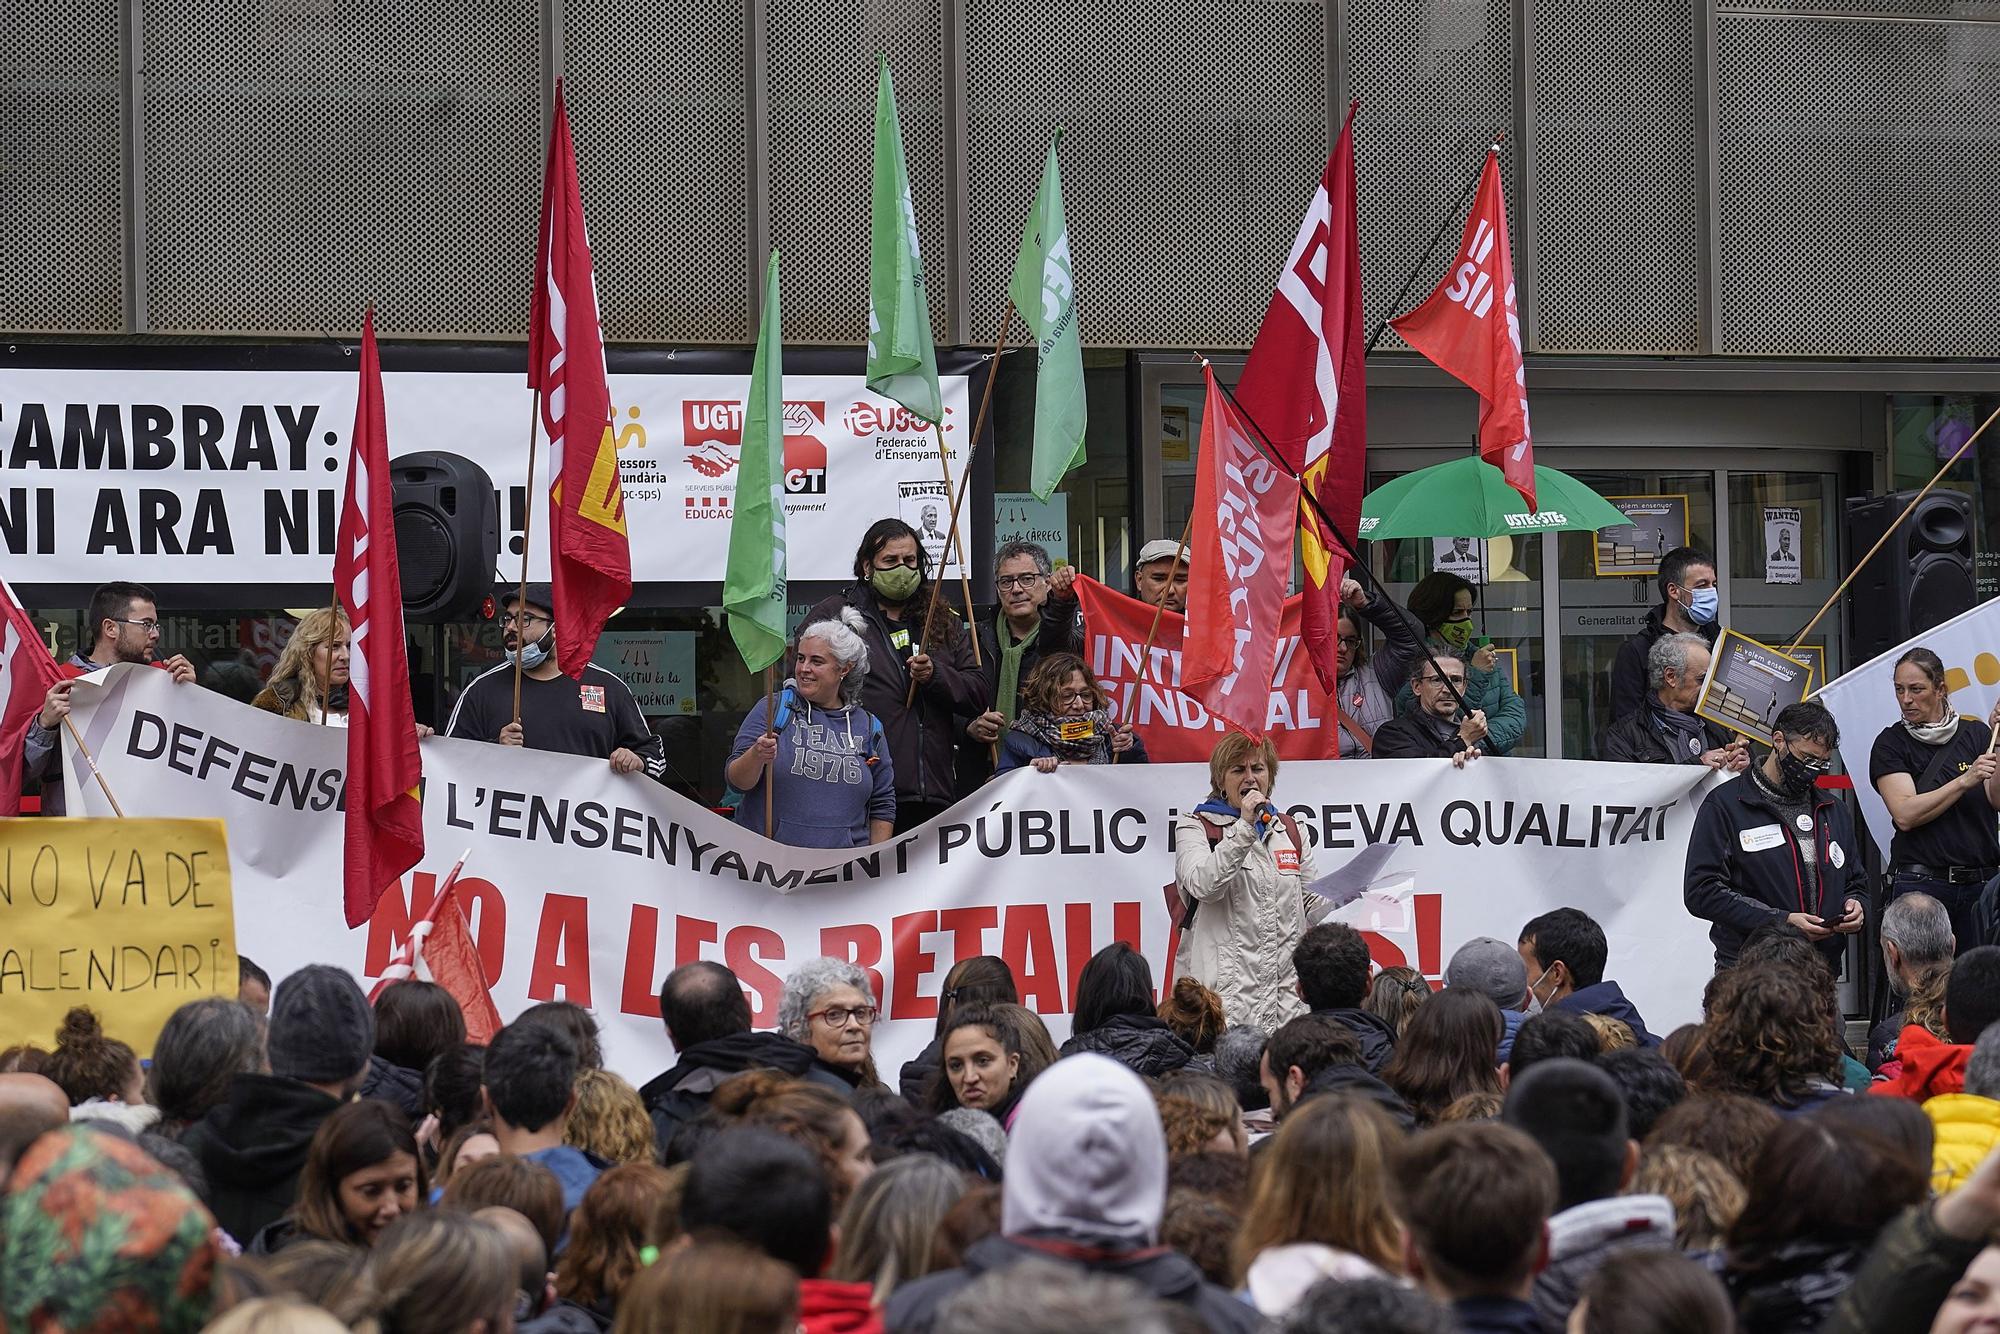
{"x":1471,"y":326}
{"x":26,"y":673}
{"x":440,"y":949}
{"x":385,"y":774}
{"x":1245,"y":513}
{"x":590,"y":559}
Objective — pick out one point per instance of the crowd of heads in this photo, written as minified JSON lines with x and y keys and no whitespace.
{"x":1408,"y":1154}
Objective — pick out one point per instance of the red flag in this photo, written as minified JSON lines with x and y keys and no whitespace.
{"x":590,"y":560}
{"x":1305,"y":384}
{"x":440,"y":949}
{"x":26,"y":673}
{"x":385,"y":814}
{"x":1471,"y":327}
{"x":1245,"y":512}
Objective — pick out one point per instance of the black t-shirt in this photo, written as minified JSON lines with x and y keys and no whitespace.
{"x":594,"y":716}
{"x":1965,"y":834}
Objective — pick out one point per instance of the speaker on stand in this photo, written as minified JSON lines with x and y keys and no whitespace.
{"x":447,"y":536}
{"x":1923,"y":576}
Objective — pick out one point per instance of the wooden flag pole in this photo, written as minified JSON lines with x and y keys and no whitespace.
{"x":91,"y":760}
{"x":958,"y":498}
{"x":955,"y":545}
{"x":1160,"y":608}
{"x":1890,"y":531}
{"x":527,"y":527}
{"x":771,"y":771}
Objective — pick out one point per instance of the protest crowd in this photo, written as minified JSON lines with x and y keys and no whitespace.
{"x":1287,"y":1137}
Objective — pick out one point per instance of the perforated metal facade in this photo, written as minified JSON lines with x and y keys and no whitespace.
{"x":1193,"y":137}
{"x":1856,"y":170}
{"x":659,"y":107}
{"x":306,"y":157}
{"x":62,"y":195}
{"x":1614,"y":177}
{"x":1436,"y":79}
{"x":821,"y":91}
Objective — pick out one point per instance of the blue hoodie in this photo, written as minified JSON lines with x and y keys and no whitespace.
{"x":833,"y":772}
{"x":1607,"y":999}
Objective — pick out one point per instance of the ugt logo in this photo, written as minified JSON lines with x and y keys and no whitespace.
{"x":712,"y":431}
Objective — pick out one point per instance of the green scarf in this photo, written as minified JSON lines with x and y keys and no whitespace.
{"x":1009,"y":702}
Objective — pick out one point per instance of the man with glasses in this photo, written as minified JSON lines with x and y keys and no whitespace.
{"x":124,"y":626}
{"x":596,"y":715}
{"x":1432,"y":727}
{"x":1026,"y":626}
{"x":1776,"y":847}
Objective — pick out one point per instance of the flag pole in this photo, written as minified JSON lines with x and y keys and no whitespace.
{"x":91,"y":760}
{"x":1890,"y":531}
{"x":527,"y":526}
{"x":1160,"y":607}
{"x":1423,"y":259}
{"x":957,"y":547}
{"x":965,"y":485}
{"x":770,"y":773}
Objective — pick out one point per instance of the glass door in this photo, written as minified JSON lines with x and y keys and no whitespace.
{"x":1784,"y":543}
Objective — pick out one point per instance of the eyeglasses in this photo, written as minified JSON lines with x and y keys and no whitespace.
{"x":1007,"y":581}
{"x":1070,"y":696}
{"x":150,"y":627}
{"x":1350,"y":641}
{"x":520,"y":620}
{"x":1819,"y":764}
{"x":840,"y":1016}
{"x":1437,"y":680}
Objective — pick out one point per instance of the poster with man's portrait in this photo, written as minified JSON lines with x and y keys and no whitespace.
{"x":1462,"y":556}
{"x":1654,"y":526}
{"x":1782,"y":538}
{"x":925,"y":507}
{"x":1749,"y":684}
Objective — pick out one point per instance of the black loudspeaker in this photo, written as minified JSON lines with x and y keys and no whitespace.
{"x":1921,"y":578}
{"x":447,"y":536}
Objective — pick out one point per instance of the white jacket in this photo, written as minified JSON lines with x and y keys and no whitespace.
{"x":1252,"y":896}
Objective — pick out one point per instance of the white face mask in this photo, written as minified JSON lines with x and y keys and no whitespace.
{"x":1534,"y":1001}
{"x":533,"y":655}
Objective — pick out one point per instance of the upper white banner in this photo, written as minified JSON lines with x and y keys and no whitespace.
{"x":589,"y":886}
{"x":234,"y":477}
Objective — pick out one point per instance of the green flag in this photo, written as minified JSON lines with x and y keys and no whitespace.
{"x":902,"y":364}
{"x":753,"y":587}
{"x":1045,"y":294}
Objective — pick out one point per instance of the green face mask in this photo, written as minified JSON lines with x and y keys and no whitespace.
{"x":1458,"y":634}
{"x":896,"y":584}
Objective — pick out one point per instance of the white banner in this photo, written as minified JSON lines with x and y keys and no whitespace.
{"x":1864,"y":700}
{"x":187,"y":473}
{"x":589,"y":886}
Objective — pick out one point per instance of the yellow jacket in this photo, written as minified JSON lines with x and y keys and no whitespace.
{"x":1967,"y":1129}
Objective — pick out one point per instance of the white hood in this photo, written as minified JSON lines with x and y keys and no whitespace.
{"x":1087,"y":1156}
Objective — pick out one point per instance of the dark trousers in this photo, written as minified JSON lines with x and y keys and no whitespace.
{"x":1960,"y":901}
{"x":910,"y":814}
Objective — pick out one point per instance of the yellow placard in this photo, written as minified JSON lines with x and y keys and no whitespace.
{"x":132,"y":918}
{"x":1075,"y":729}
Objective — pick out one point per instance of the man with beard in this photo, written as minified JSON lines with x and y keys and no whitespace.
{"x":596,"y":715}
{"x":1665,"y":729}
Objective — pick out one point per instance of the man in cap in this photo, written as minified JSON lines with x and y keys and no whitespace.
{"x":1495,"y":970}
{"x":596,"y":715}
{"x":1160,"y":575}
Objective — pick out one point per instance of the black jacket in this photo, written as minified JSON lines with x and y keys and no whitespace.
{"x":1141,"y":1043}
{"x":1376,"y":1034}
{"x":1628,"y":669}
{"x":1738,"y":889}
{"x":922,"y":737}
{"x":395,"y":1084}
{"x":1061,"y":632}
{"x":252,"y":1146}
{"x":1407,"y":737}
{"x":914,"y":1082}
{"x":1356,"y":1082}
{"x":1166,"y":1275}
{"x":1797,"y":1290}
{"x":1633,"y":739}
{"x":681,"y":1094}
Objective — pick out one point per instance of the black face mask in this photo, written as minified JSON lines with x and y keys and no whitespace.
{"x":1796,"y":776}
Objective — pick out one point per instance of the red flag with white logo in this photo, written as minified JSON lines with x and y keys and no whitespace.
{"x":26,"y":673}
{"x":385,"y":814}
{"x":590,"y":560}
{"x":1471,"y":326}
{"x":1245,"y":513}
{"x":440,"y":949}
{"x":1305,"y":384}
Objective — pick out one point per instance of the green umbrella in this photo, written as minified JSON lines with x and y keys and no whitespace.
{"x":1468,"y":497}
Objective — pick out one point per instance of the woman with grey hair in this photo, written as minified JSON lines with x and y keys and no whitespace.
{"x":826,"y":1005}
{"x":833,"y":784}
{"x":203,"y":1047}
